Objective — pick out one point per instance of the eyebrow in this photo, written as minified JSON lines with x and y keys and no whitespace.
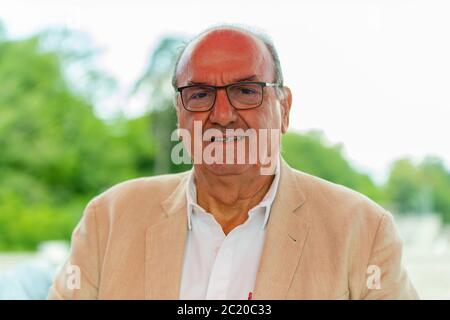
{"x":244,"y":79}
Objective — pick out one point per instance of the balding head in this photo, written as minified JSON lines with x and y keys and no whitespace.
{"x":225,"y":37}
{"x":224,"y":56}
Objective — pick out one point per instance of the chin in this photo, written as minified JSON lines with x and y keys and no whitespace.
{"x":227,"y":169}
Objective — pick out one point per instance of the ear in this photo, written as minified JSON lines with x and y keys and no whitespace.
{"x":285,"y":103}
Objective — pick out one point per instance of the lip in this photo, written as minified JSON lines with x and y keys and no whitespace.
{"x":227,"y":139}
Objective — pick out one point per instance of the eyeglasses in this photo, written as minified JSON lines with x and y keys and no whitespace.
{"x":241,"y":95}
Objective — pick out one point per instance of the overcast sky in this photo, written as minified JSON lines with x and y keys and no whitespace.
{"x":373,"y":75}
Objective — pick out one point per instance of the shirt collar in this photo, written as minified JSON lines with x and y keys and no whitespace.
{"x":266,"y":202}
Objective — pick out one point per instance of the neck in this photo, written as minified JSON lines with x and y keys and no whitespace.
{"x":229,"y":198}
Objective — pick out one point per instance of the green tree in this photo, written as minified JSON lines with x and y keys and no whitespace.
{"x":54,"y":152}
{"x":403,"y":187}
{"x":311,"y":153}
{"x":419,"y":188}
{"x":155,"y":85}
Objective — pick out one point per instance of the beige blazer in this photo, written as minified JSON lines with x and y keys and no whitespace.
{"x":321,"y":239}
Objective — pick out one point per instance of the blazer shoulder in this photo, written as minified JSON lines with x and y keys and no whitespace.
{"x":338,"y":200}
{"x":161,"y":184}
{"x":137,"y":195}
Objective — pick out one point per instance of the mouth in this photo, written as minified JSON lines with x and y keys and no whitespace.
{"x":227,"y":139}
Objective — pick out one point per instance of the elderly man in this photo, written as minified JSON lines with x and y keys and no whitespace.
{"x":227,"y":229}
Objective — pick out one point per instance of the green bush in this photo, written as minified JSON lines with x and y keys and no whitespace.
{"x":23,"y":227}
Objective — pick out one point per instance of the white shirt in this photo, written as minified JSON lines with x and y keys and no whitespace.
{"x":219,"y":266}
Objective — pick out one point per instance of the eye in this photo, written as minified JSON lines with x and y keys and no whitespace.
{"x":245,"y":90}
{"x":199,"y":95}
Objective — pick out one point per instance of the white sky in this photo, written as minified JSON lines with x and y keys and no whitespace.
{"x":374,"y":75}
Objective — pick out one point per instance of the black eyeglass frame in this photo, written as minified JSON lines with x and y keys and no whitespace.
{"x":262,"y":84}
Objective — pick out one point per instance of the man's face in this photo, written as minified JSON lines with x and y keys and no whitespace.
{"x":224,"y":57}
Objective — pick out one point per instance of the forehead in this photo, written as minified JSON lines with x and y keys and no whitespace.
{"x":224,"y":56}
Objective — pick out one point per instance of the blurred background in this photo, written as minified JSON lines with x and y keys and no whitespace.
{"x":86,"y":102}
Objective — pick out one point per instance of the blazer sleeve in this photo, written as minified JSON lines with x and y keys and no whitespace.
{"x":386,"y":276}
{"x":79,"y":276}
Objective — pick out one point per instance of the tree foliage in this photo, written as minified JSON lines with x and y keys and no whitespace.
{"x":419,"y":188}
{"x":311,"y":153}
{"x":54,"y":152}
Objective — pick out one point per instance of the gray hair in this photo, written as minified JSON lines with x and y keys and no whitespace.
{"x":244,"y":29}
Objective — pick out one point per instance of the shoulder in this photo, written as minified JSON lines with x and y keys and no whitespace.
{"x":156,"y":186}
{"x":136,"y":196}
{"x":339,"y":206}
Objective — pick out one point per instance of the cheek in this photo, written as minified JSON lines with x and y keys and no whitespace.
{"x":186,"y":118}
{"x":266,"y":117}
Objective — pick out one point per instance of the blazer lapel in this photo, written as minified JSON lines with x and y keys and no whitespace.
{"x":286,"y":235}
{"x":164,"y":251}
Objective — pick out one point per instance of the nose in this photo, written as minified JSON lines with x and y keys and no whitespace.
{"x":223,"y":113}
